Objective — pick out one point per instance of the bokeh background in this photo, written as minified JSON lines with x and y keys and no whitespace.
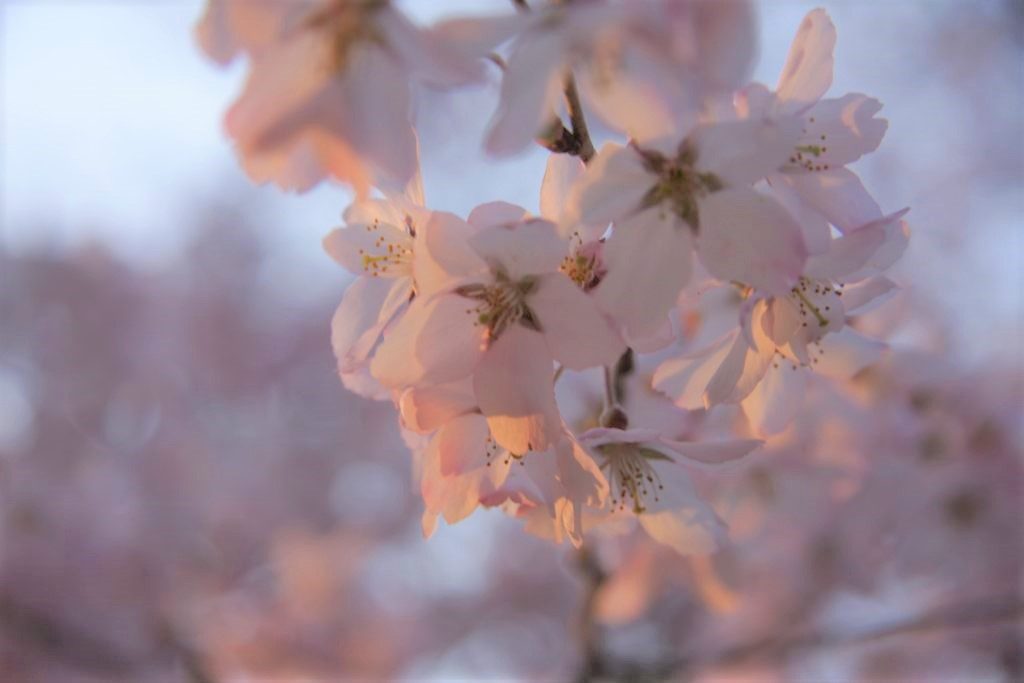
{"x":187,"y":492}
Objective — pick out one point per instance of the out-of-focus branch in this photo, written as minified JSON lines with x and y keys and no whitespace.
{"x":80,"y":649}
{"x":592,"y":664}
{"x":986,"y":612}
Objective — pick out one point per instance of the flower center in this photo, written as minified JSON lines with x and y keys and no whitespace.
{"x":820,"y":306}
{"x":501,"y":304}
{"x":680,"y":184}
{"x":583,"y":266}
{"x":391,"y":253}
{"x":631,"y":476}
{"x":346,"y":23}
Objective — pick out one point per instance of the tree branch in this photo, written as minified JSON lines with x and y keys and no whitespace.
{"x":592,"y":664}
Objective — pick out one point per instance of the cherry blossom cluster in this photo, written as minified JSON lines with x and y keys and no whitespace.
{"x":712,"y":251}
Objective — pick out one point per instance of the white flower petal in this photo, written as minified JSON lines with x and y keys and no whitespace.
{"x":576,"y":332}
{"x":648,"y":259}
{"x":807,"y":74}
{"x":749,"y":237}
{"x":515,"y":391}
{"x":776,"y":400}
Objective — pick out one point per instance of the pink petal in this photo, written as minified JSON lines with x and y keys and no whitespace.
{"x":576,"y":332}
{"x":748,"y":237}
{"x":495,"y":214}
{"x":845,"y":353}
{"x":745,"y":151}
{"x":435,"y":342}
{"x":867,"y":294}
{"x":807,"y":74}
{"x":529,"y":248}
{"x":727,"y":39}
{"x":613,"y":187}
{"x":530,"y":88}
{"x":713,"y":452}
{"x":462,"y":444}
{"x":776,"y":400}
{"x":426,"y":409}
{"x":694,"y":530}
{"x":514,"y":388}
{"x":845,"y":129}
{"x":376,"y":92}
{"x":366,"y":307}
{"x":847,"y":254}
{"x":685,"y":379}
{"x":649,"y":259}
{"x":443,"y":255}
{"x":838,"y":195}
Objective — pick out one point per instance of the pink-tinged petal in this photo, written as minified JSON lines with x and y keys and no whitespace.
{"x":760,"y":355}
{"x":613,"y":187}
{"x":694,"y":530}
{"x":749,"y":237}
{"x":776,"y":400}
{"x":727,"y":42}
{"x":377,"y":101}
{"x":425,"y":409}
{"x":649,"y":259}
{"x":713,"y":452}
{"x":633,"y":98}
{"x":230,"y":26}
{"x":361,"y":383}
{"x":514,"y":388}
{"x":495,"y":214}
{"x":897,"y":237}
{"x":865,"y":295}
{"x":685,"y":379}
{"x":308,"y":157}
{"x":435,"y":342}
{"x":576,"y":332}
{"x":367,"y":305}
{"x":723,"y":382}
{"x":581,"y":477}
{"x":528,"y":248}
{"x":442,"y":255}
{"x":839,"y":131}
{"x":426,"y":54}
{"x":530,"y":88}
{"x":478,"y":36}
{"x":838,"y":195}
{"x":745,"y":151}
{"x":655,"y":340}
{"x":848,"y":253}
{"x":463,"y":444}
{"x":817,"y":233}
{"x":563,"y":171}
{"x":845,"y":353}
{"x":780,"y":321}
{"x":807,"y":75}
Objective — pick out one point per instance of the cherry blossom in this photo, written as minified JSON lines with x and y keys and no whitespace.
{"x":328,"y":90}
{"x":647,"y":477}
{"x":834,"y":133}
{"x":758,"y":364}
{"x":508,"y":315}
{"x":671,"y":199}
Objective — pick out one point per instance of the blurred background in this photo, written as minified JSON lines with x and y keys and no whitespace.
{"x":187,"y":492}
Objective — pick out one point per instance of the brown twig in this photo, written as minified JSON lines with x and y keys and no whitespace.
{"x":592,"y":662}
{"x":773,"y":648}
